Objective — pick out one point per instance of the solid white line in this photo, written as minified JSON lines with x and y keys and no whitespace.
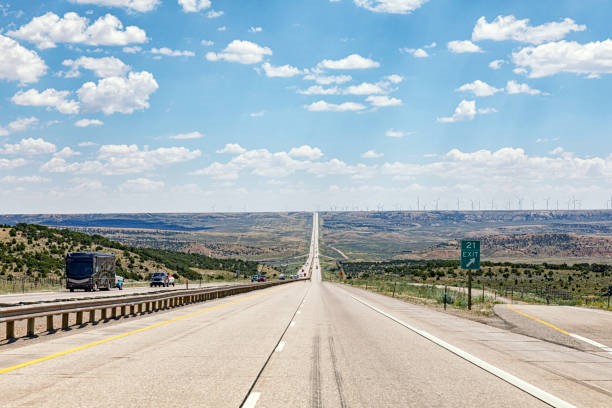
{"x":252,"y":400}
{"x":280,"y":346}
{"x":509,"y":378}
{"x":592,"y":342}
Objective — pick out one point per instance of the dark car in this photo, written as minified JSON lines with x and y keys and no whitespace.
{"x":255,"y":278}
{"x":262,"y":278}
{"x":160,"y":279}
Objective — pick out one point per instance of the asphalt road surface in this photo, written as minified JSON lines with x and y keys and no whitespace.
{"x":581,"y":328}
{"x":305,"y":344}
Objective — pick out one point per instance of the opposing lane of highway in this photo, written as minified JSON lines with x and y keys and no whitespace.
{"x":34,"y":297}
{"x":204,"y":355}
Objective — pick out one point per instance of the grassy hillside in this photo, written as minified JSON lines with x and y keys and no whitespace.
{"x":37,"y":251}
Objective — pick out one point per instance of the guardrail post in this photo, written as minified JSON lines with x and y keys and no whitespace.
{"x":10,"y":330}
{"x":30,"y":327}
{"x":140,"y":308}
{"x":123,"y":308}
{"x":132,"y":310}
{"x":79,"y":318}
{"x":92,"y":316}
{"x":65,"y":321}
{"x":50,"y":327}
{"x":114,"y":312}
{"x":104,"y":316}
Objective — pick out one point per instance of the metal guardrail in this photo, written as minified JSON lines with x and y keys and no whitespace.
{"x":124,"y":306}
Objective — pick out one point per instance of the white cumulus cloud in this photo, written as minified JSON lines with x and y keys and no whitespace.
{"x":193,"y":6}
{"x":323,"y":106}
{"x":49,"y":29}
{"x":513,"y":87}
{"x":24,"y":180}
{"x":118,"y":94}
{"x":243,"y":52}
{"x":371,"y":154}
{"x":353,"y":61}
{"x":319,"y":90}
{"x":165,"y":51}
{"x":232,"y":148}
{"x":142,"y":6}
{"x":365,"y":88}
{"x":416,"y":52}
{"x":390,"y":6}
{"x":50,"y":98}
{"x":462,"y":47}
{"x":466,"y":110}
{"x":496,"y":64}
{"x":88,"y":122}
{"x":123,"y":159}
{"x":18,"y":63}
{"x":12,"y":163}
{"x":101,"y":67}
{"x":187,"y":136}
{"x":29,"y":147}
{"x":21,"y":124}
{"x":381,"y":101}
{"x":283,"y":71}
{"x":509,"y":28}
{"x":552,"y":58}
{"x":479,"y":88}
{"x":328,"y":79}
{"x":306,"y":152}
{"x":394,"y":133}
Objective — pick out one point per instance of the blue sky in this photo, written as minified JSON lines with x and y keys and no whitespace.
{"x":197,"y":105}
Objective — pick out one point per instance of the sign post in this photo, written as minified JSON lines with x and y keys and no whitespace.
{"x":470,"y":260}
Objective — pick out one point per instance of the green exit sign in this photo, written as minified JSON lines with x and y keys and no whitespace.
{"x":470,"y":254}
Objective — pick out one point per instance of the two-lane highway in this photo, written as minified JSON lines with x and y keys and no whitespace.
{"x":306,"y":344}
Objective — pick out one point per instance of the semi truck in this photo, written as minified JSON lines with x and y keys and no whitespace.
{"x":90,"y":271}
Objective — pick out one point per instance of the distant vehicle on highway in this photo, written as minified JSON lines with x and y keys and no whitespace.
{"x":119,"y":282}
{"x":281,"y":276}
{"x":262,"y":278}
{"x":255,"y":278}
{"x":170,"y":280}
{"x":160,"y":279}
{"x":90,"y":271}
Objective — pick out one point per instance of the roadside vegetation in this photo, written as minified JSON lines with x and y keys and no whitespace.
{"x":577,"y":284}
{"x":33,"y":256}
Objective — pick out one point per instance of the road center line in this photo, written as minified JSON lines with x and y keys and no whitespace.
{"x":280,"y":346}
{"x":252,"y":400}
{"x":509,"y":378}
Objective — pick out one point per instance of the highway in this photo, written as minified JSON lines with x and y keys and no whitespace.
{"x":306,"y":344}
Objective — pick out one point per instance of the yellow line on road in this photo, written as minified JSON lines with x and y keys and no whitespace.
{"x":552,"y":326}
{"x":130,"y":333}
